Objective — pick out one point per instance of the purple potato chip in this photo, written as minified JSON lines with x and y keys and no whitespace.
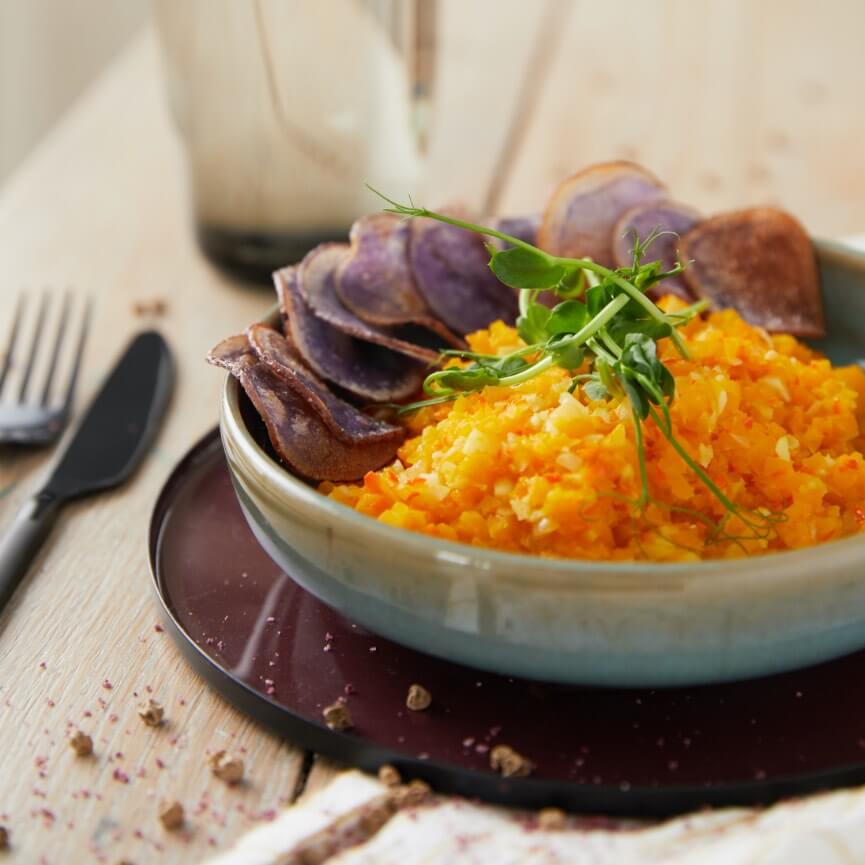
{"x":761,"y":262}
{"x":317,"y":281}
{"x":579,"y":218}
{"x":365,"y":370}
{"x":642,"y":220}
{"x":343,"y":419}
{"x":375,"y":280}
{"x":523,"y":228}
{"x":451,"y":269}
{"x":298,"y":435}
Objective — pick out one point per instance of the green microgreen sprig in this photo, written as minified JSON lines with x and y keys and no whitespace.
{"x":604,"y":333}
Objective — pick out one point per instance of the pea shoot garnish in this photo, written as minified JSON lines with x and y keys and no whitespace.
{"x":604,"y":333}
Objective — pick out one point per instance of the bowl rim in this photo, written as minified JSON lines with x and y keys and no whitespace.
{"x":845,"y":551}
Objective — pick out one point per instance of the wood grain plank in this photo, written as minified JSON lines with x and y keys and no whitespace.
{"x":485,"y":47}
{"x":101,"y":208}
{"x":732,"y":104}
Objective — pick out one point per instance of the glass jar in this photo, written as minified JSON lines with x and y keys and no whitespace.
{"x":287,"y":108}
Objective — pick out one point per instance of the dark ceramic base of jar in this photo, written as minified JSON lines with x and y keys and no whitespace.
{"x":254,"y":255}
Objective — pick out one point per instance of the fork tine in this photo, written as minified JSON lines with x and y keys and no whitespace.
{"x":79,"y":351}
{"x":13,"y":338}
{"x":58,"y":344}
{"x":34,"y":347}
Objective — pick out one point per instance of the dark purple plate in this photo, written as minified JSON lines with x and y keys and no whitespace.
{"x":281,"y":655}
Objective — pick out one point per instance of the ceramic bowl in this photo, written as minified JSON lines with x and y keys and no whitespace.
{"x":580,"y":622}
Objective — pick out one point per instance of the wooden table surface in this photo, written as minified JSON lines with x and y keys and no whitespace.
{"x":101,"y":208}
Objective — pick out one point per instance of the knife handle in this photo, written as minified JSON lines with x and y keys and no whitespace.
{"x":20,"y":543}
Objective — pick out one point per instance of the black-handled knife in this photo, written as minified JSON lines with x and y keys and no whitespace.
{"x":109,"y":443}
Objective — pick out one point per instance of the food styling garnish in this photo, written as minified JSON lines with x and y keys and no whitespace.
{"x":604,"y":333}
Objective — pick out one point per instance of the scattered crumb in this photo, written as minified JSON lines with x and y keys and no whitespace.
{"x":171,"y":815}
{"x":81,"y":744}
{"x":154,"y":306}
{"x":151,"y":713}
{"x":551,"y":819}
{"x":413,"y":793}
{"x":226,"y":767}
{"x":106,"y":683}
{"x":389,"y":776}
{"x":337,"y":716}
{"x":509,"y":762}
{"x":418,"y":698}
{"x":4,"y":838}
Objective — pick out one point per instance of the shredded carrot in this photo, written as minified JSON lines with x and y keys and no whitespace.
{"x":535,"y":469}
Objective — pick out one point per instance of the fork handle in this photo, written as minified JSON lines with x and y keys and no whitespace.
{"x":21,"y":541}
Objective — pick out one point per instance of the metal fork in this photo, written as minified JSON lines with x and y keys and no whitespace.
{"x":30,"y":414}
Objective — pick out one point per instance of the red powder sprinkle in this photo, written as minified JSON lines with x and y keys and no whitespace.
{"x":159,"y":764}
{"x":43,"y":665}
{"x":120,"y":775}
{"x":149,"y":689}
{"x":349,"y":689}
{"x":51,"y":703}
{"x":87,"y":713}
{"x":182,"y":701}
{"x":107,"y":684}
{"x":113,"y":718}
{"x":158,"y":628}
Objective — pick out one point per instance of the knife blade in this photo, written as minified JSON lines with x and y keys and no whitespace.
{"x":108,"y":444}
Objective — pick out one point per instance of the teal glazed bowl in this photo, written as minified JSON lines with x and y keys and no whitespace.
{"x":578,"y":622}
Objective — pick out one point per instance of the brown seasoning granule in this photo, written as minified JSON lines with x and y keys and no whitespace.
{"x":412,"y":794}
{"x":389,"y":776}
{"x":337,"y":716}
{"x":171,"y":815}
{"x":151,"y":713}
{"x":155,"y":306}
{"x":226,"y":767}
{"x":551,"y":819}
{"x":418,"y":698}
{"x":510,"y":763}
{"x":4,"y":838}
{"x":81,"y":744}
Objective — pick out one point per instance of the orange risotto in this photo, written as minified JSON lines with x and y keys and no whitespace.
{"x":534,"y":469}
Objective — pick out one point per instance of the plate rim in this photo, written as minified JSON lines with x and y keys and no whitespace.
{"x":602,"y":799}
